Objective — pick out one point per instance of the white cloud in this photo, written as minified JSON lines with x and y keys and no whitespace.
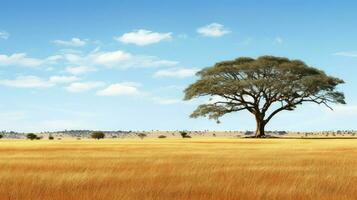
{"x":176,"y":72}
{"x":143,"y":37}
{"x":116,"y":59}
{"x":37,"y":82}
{"x":346,"y":53}
{"x":119,"y":89}
{"x":110,"y":58}
{"x":74,"y":42}
{"x":63,"y":79}
{"x":80,"y":70}
{"x":26,"y":82}
{"x":213,"y":30}
{"x":279,"y":40}
{"x":20,"y":59}
{"x":4,"y":35}
{"x":83,"y":86}
{"x":54,"y":58}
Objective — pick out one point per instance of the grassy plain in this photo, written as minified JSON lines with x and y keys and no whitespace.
{"x":204,"y":169}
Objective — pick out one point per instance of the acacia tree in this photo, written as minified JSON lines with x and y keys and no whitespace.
{"x":264,"y":86}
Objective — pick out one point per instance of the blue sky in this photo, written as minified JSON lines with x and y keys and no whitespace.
{"x":120,"y":65}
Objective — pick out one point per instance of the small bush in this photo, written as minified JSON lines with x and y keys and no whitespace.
{"x":51,"y":137}
{"x":31,"y":136}
{"x":141,"y":135}
{"x":1,"y":136}
{"x":184,"y":134}
{"x":98,"y":135}
{"x":162,"y":136}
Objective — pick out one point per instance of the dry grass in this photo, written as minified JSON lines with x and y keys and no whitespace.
{"x":179,"y":169}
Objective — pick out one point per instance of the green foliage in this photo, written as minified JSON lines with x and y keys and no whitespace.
{"x":98,"y":135}
{"x":50,"y":137}
{"x":263,"y":86}
{"x":31,"y":136}
{"x":161,"y":136}
{"x":1,"y":136}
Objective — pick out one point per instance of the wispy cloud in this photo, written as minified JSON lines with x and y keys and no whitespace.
{"x":32,"y":81}
{"x":143,"y":37}
{"x":77,"y":87}
{"x":176,"y":72}
{"x":74,"y":42}
{"x":20,"y":59}
{"x":80,"y":70}
{"x":120,"y":89}
{"x":346,"y":53}
{"x":4,"y":35}
{"x":279,"y":40}
{"x":86,"y":62}
{"x":116,"y":59}
{"x":27,"y":82}
{"x":213,"y":30}
{"x":63,"y":79}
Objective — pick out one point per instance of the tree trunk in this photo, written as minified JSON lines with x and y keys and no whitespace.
{"x":259,"y":132}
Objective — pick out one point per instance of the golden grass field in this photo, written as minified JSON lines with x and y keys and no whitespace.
{"x":168,"y":169}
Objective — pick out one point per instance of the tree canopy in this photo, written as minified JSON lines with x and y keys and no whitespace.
{"x":98,"y":135}
{"x":263,"y":86}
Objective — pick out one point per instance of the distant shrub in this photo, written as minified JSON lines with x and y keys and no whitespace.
{"x":162,"y":136}
{"x":214,"y":135}
{"x":78,"y":138}
{"x":141,"y":135}
{"x":1,"y":136}
{"x":98,"y":135}
{"x":39,"y":137}
{"x":184,"y":134}
{"x":51,"y":137}
{"x":31,"y":136}
{"x":249,"y":133}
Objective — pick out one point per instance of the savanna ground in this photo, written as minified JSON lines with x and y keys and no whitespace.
{"x":204,"y":169}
